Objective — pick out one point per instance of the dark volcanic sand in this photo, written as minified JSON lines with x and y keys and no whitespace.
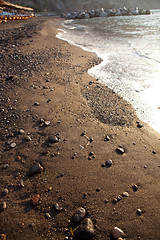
{"x":36,"y":67}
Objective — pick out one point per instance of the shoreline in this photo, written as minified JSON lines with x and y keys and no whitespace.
{"x":44,"y":77}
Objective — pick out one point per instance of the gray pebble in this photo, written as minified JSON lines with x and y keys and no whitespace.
{"x":108,"y":163}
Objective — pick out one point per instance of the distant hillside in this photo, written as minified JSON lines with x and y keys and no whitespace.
{"x":74,"y":5}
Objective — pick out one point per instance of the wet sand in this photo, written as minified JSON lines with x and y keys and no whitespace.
{"x":43,"y":77}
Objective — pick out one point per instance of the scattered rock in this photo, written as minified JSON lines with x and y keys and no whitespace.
{"x":117,"y":233}
{"x":119,"y":197}
{"x":36,"y":104}
{"x":108,"y":163}
{"x":28,"y":138}
{"x":85,"y":231}
{"x":47,"y":215}
{"x":115,"y":200}
{"x":46,"y":123}
{"x":120,"y":150}
{"x":13,"y":145}
{"x":139,"y":125}
{"x":3,"y":206}
{"x":3,"y":236}
{"x":107,"y":138}
{"x":53,"y":139}
{"x":79,"y":215}
{"x":125,"y":194}
{"x":154,"y":152}
{"x":21,"y":131}
{"x":135,"y":188}
{"x":106,"y":201}
{"x":57,"y":207}
{"x":98,"y":189}
{"x":36,"y":168}
{"x":139,"y":212}
{"x":22,"y":183}
{"x":35,"y":199}
{"x":5,"y":191}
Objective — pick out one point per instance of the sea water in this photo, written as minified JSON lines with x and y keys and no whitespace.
{"x":130,"y":49}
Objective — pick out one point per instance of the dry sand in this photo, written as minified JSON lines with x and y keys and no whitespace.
{"x":36,"y":67}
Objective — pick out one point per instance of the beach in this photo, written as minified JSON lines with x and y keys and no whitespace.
{"x":46,"y":93}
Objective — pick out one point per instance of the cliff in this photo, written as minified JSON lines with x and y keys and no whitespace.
{"x":74,"y":5}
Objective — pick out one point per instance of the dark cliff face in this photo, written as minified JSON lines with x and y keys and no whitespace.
{"x":76,"y":5}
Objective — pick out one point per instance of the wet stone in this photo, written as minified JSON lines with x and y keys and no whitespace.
{"x":85,"y":231}
{"x":79,"y":215}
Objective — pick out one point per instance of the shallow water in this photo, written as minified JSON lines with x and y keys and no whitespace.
{"x":130,"y":49}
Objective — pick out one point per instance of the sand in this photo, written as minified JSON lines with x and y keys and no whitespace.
{"x":43,"y":77}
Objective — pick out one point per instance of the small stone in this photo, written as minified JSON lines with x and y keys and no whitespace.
{"x":36,"y":168}
{"x":3,"y":206}
{"x":3,"y":236}
{"x":107,"y":138}
{"x":46,"y":123}
{"x":135,"y":188}
{"x":115,"y":200}
{"x":21,"y":131}
{"x":103,"y":165}
{"x":91,"y":140}
{"x":5,"y":191}
{"x":79,"y":215}
{"x":41,"y":120}
{"x":98,"y":190}
{"x":53,"y":139}
{"x":91,"y":153}
{"x":22,"y":183}
{"x":85,"y":231}
{"x":119,"y":197}
{"x":139,"y":212}
{"x":154,"y":152}
{"x":125,"y":194}
{"x":117,"y":233}
{"x":139,"y":125}
{"x":35,"y":199}
{"x":106,"y":201}
{"x":108,"y":163}
{"x":57,"y":207}
{"x":36,"y":104}
{"x":47,"y":215}
{"x":5,"y":166}
{"x":28,"y":138}
{"x":120,"y":150}
{"x":13,"y":145}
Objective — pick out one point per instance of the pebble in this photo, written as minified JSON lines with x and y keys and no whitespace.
{"x":98,"y":190}
{"x":53,"y":139}
{"x":21,"y":183}
{"x":28,"y":138}
{"x":115,"y":200}
{"x":120,"y":150}
{"x":5,"y":191}
{"x":3,"y":206}
{"x":139,"y":212}
{"x":85,"y":231}
{"x":57,"y":207}
{"x":106,"y":201}
{"x":3,"y":236}
{"x":36,"y":168}
{"x":35,"y":199}
{"x":117,"y":233}
{"x":36,"y":104}
{"x":79,"y":215}
{"x":108,"y":163}
{"x":47,"y":215}
{"x":107,"y":138}
{"x":46,"y":123}
{"x":125,"y":194}
{"x":21,"y":131}
{"x":139,"y":125}
{"x":135,"y":188}
{"x":119,"y":197}
{"x":13,"y":145}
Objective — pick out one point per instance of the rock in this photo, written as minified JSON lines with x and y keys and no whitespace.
{"x":135,"y":188}
{"x":120,"y":150}
{"x":108,"y":163}
{"x":36,"y":168}
{"x":21,"y":183}
{"x":117,"y":233}
{"x":28,"y":139}
{"x":47,"y":215}
{"x":46,"y":123}
{"x":139,"y":212}
{"x":5,"y":191}
{"x":3,"y":206}
{"x":13,"y":145}
{"x":21,"y":131}
{"x":3,"y":236}
{"x":57,"y":207}
{"x":53,"y":139}
{"x":139,"y":125}
{"x":36,"y":104}
{"x":85,"y":231}
{"x":119,"y":197}
{"x":35,"y":199}
{"x":107,"y":138}
{"x":115,"y":200}
{"x":79,"y":215}
{"x":98,"y":189}
{"x":125,"y":194}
